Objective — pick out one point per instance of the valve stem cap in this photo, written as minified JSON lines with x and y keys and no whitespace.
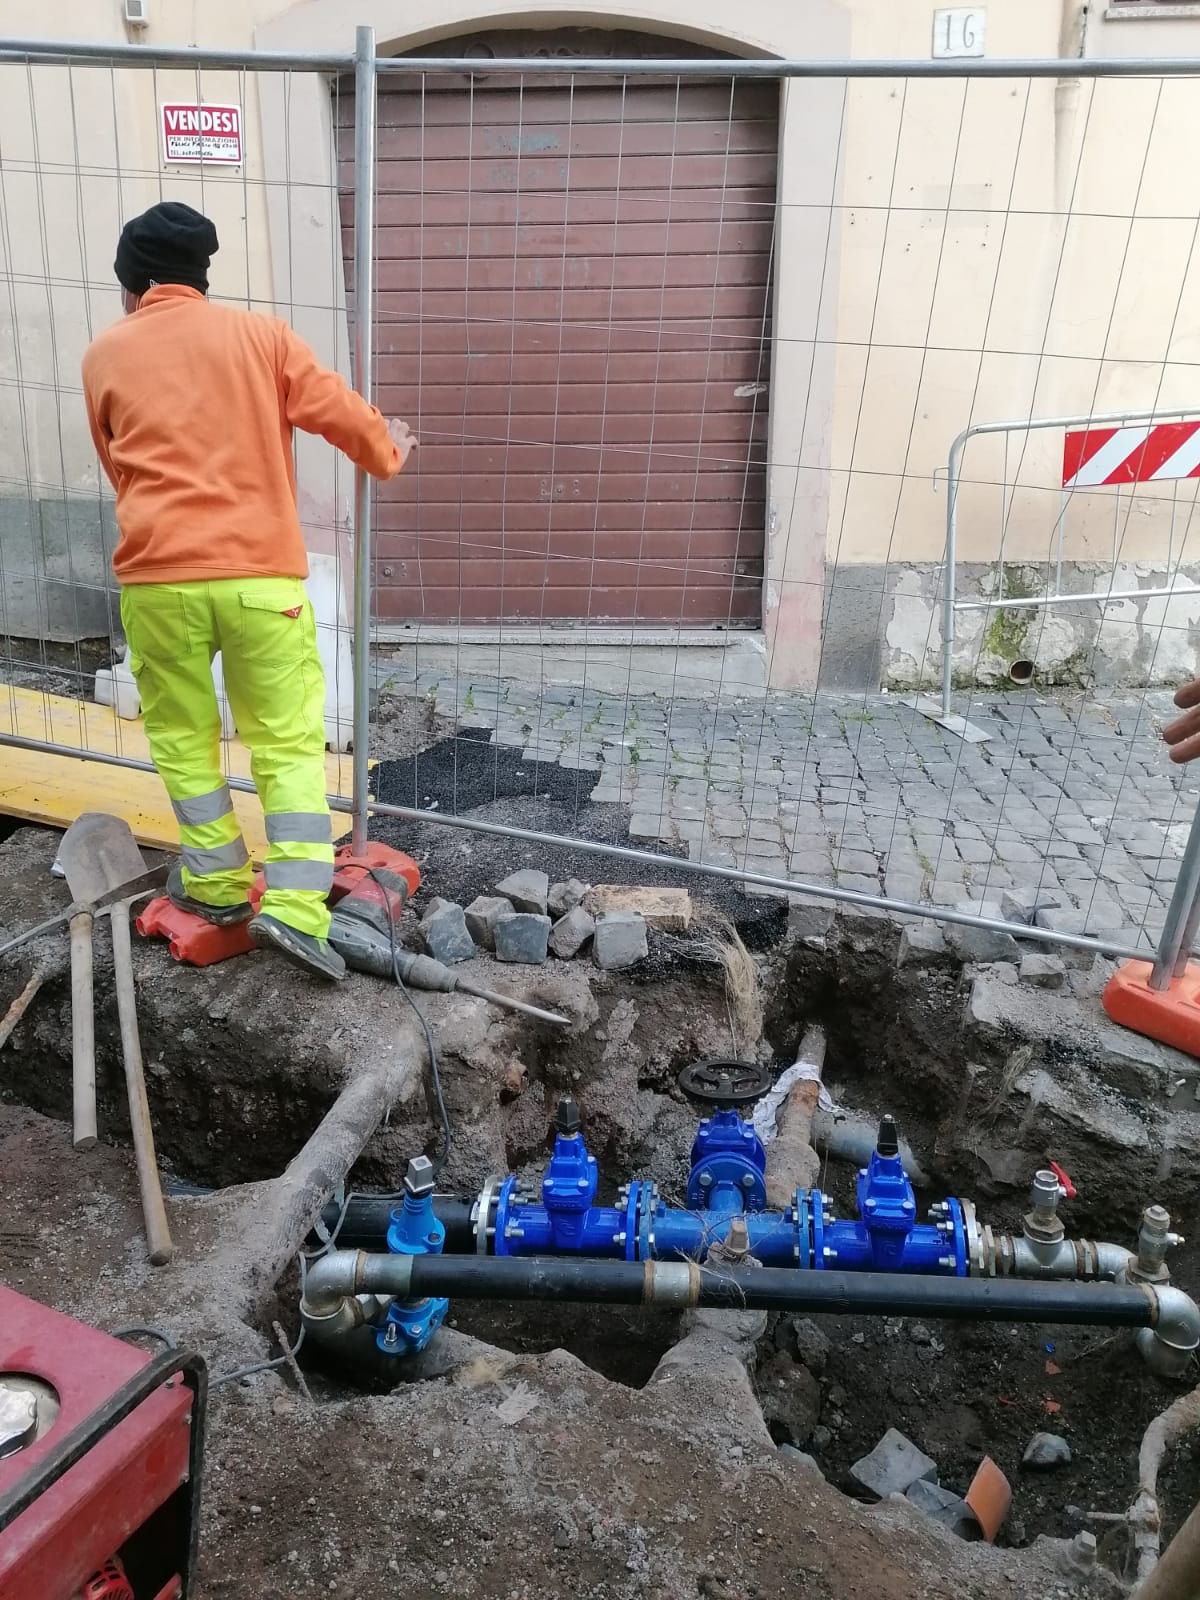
{"x":567,"y":1120}
{"x":418,"y":1180}
{"x":888,"y":1141}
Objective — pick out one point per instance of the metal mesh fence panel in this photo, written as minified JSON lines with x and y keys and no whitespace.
{"x":87,"y":145}
{"x":687,"y":355}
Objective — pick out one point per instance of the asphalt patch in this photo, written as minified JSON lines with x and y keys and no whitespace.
{"x":482,"y":781}
{"x":470,"y":770}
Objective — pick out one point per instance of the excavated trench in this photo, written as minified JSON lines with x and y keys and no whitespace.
{"x":242,"y":1067}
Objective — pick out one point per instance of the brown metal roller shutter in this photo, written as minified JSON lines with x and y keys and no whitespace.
{"x":573,"y":312}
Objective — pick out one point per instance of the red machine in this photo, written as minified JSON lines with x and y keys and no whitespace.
{"x":101,"y":1448}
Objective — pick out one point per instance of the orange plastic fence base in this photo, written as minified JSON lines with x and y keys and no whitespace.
{"x":1172,"y":1016}
{"x":350,"y":872}
{"x":193,"y":940}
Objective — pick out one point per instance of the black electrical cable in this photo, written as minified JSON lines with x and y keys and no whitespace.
{"x":143,"y":1330}
{"x":434,"y":1069}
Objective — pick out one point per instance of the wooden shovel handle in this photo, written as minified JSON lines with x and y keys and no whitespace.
{"x":83,"y":1032}
{"x":158,"y":1233}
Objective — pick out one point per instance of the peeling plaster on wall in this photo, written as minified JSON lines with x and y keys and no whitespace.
{"x":1123,"y":644}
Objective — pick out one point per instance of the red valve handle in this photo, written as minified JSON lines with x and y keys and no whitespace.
{"x":1068,"y":1187}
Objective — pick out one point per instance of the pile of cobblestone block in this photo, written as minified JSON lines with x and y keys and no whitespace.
{"x":527,"y":919}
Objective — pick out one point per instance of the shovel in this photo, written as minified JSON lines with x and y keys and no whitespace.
{"x":86,"y":857}
{"x":98,"y":855}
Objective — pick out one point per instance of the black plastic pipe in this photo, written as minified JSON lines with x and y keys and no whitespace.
{"x":367,"y":1217}
{"x":779,"y":1289}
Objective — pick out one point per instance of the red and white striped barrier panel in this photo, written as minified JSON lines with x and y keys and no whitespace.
{"x":1141,"y":452}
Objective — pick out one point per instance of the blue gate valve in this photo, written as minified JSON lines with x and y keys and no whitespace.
{"x":886,"y":1203}
{"x":415,"y":1231}
{"x":571,"y":1180}
{"x":728,"y":1165}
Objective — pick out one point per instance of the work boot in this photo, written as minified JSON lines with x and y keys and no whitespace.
{"x":303,"y":949}
{"x":219,"y":916}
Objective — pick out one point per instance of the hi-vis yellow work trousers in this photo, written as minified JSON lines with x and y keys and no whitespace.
{"x":267,"y":636}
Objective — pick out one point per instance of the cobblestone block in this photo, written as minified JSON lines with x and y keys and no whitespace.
{"x":571,"y":932}
{"x":1042,"y":971}
{"x":729,"y":828}
{"x":528,"y":890}
{"x":619,"y":940}
{"x":481,"y":917}
{"x":564,"y":897}
{"x":1092,"y":923}
{"x":856,"y":861}
{"x":921,"y":943}
{"x":523,"y":937}
{"x":668,"y":910}
{"x":982,"y":945}
{"x":444,"y":932}
{"x":1020,"y":905}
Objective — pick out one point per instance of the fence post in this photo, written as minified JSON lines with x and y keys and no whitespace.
{"x":1183,"y":915}
{"x":364,"y":299}
{"x":949,"y":589}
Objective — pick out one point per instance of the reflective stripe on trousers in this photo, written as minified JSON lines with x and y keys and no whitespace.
{"x":276,"y":689}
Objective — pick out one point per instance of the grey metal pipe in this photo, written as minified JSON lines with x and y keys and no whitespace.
{"x":364,"y":304}
{"x":1073,"y":67}
{"x":1168,"y":1346}
{"x":1190,"y":929}
{"x":1086,"y":1259}
{"x":1026,"y":601}
{"x":849,"y":1137}
{"x":89,"y":53}
{"x":95,"y":53}
{"x":1164,"y":1312}
{"x":703,"y":869}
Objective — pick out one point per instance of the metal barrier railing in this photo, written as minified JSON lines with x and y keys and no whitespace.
{"x":1056,"y":595}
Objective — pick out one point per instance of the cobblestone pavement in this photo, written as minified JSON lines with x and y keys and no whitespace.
{"x":1071,"y":797}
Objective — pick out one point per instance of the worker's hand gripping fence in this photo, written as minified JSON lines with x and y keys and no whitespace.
{"x":685,"y":344}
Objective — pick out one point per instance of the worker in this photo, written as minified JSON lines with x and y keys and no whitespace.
{"x":1183,"y":735}
{"x":192,"y":408}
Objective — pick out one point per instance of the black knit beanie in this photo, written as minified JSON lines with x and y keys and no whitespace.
{"x":170,"y":243}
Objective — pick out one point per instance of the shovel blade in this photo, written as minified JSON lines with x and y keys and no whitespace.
{"x":98,"y":854}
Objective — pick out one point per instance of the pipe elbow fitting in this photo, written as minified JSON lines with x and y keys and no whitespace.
{"x":1167,"y":1346}
{"x":348,"y":1289}
{"x":331,"y":1280}
{"x":350,"y":1312}
{"x":1112,"y":1260}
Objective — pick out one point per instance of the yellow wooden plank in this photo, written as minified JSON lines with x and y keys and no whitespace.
{"x":55,"y":789}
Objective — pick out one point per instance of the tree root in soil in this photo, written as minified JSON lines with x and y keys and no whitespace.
{"x":1144,"y":1517}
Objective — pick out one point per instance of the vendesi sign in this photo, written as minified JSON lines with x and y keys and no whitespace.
{"x":192,"y":134}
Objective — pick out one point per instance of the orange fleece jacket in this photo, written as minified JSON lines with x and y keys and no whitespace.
{"x":192,"y":407}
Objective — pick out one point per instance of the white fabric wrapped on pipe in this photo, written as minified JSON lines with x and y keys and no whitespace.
{"x":847,"y":1135}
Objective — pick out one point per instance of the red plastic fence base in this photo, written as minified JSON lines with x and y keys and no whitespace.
{"x":351,"y":872}
{"x":1172,"y":1016}
{"x":193,"y":940}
